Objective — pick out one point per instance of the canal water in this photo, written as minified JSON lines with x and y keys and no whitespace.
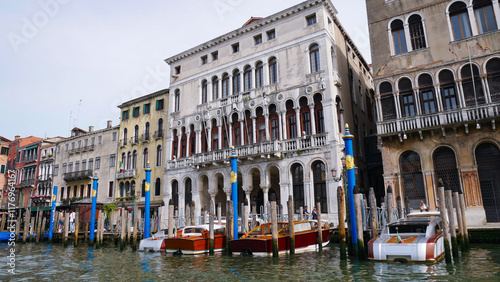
{"x":56,"y":263}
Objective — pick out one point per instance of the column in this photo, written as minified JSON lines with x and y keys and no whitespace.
{"x":439,"y":100}
{"x":265,"y":73}
{"x":496,"y":11}
{"x":265,"y":190}
{"x":219,"y":143}
{"x":280,"y":126}
{"x":313,"y":119}
{"x":416,"y":92}
{"x":379,"y":107}
{"x":179,"y":144}
{"x":398,"y":106}
{"x":230,"y":135}
{"x":254,"y":127}
{"x":472,"y":20}
{"x":297,"y":122}
{"x":198,"y":141}
{"x":460,"y":93}
{"x":283,"y":120}
{"x":487,"y":94}
{"x":409,"y":47}
{"x":209,"y":139}
{"x":268,"y":135}
{"x":243,"y":129}
{"x":188,"y":137}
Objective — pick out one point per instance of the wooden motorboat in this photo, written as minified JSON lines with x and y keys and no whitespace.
{"x":415,"y":238}
{"x":259,"y":240}
{"x":192,"y":240}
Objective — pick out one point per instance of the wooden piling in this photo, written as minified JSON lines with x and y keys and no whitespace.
{"x":246,"y":211}
{"x":101,"y":227}
{"x":320,"y":227}
{"x":359,"y":222}
{"x":400,"y":207}
{"x":170,"y":218}
{"x":123,"y":229}
{"x":136,"y":224}
{"x":188,"y":214}
{"x":129,"y":225}
{"x":26,"y":225}
{"x":274,"y":229}
{"x":97,"y":234}
{"x":191,"y":213}
{"x":66,"y":229}
{"x":2,"y":228}
{"x":390,"y":205}
{"x":77,"y":226}
{"x":32,"y":229}
{"x":291,"y":225}
{"x":453,"y":231}
{"x":219,"y":213}
{"x":341,"y":212}
{"x":86,"y":232}
{"x":43,"y":227}
{"x":18,"y":223}
{"x":254,"y":217}
{"x":39,"y":226}
{"x":373,"y":213}
{"x":464,"y":219}
{"x":460,"y":236}
{"x":229,"y":226}
{"x":211,"y":242}
{"x":444,"y":220}
{"x":301,"y":213}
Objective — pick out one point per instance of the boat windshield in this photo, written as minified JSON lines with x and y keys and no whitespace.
{"x":408,"y":228}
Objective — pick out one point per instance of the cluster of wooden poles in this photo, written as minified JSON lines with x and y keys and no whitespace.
{"x":449,"y":227}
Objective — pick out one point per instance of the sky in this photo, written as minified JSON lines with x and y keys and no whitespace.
{"x":67,"y":63}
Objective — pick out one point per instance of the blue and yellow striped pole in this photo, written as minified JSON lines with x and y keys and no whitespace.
{"x":234,"y":190}
{"x":351,"y":181}
{"x":52,"y":213}
{"x":147,"y":202}
{"x":94,"y":203}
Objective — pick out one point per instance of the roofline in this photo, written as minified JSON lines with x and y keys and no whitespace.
{"x":89,"y":133}
{"x":145,"y":97}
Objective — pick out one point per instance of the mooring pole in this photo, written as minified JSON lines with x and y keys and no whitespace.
{"x":359,"y":223}
{"x":320,"y":227}
{"x":390,"y":205}
{"x":341,"y":210}
{"x":453,"y":232}
{"x":94,"y":203}
{"x":373,"y":212}
{"x":400,"y":207}
{"x":351,"y":181}
{"x":291,"y":226}
{"x":147,"y":201}
{"x":229,"y":223}
{"x":234,"y":190}
{"x":211,"y":241}
{"x":170,"y":218}
{"x":460,"y":236}
{"x":274,"y":229}
{"x":444,"y":220}
{"x":464,"y":219}
{"x":52,"y":214}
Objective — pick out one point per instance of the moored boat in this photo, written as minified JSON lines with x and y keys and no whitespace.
{"x":415,"y":238}
{"x":155,"y":243}
{"x":259,"y":240}
{"x":192,"y":240}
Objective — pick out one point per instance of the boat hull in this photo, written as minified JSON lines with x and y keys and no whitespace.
{"x":194,"y":246}
{"x":410,"y":249}
{"x":152,"y":245}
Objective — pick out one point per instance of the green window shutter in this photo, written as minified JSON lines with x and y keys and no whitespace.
{"x":157,"y":104}
{"x":144,"y":109}
{"x":2,"y":170}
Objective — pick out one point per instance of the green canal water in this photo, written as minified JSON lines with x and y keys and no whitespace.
{"x":56,"y":263}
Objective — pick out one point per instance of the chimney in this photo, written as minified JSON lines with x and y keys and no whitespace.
{"x":110,"y":123}
{"x":91,"y":128}
{"x":17,"y":137}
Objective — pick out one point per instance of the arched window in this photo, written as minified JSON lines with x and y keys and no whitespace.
{"x":427,"y":97}
{"x":134,"y":159}
{"x":273,"y":71}
{"x":291,"y":120}
{"x":273,"y":122}
{"x":471,"y":85}
{"x":387,"y":101}
{"x":340,"y":113}
{"x":159,"y":153}
{"x":204,"y":91}
{"x":236,"y":130}
{"x":305,"y":116}
{"x":129,"y":161}
{"x":445,"y":167}
{"x":124,"y":140}
{"x":175,"y":193}
{"x":485,"y":17}
{"x":314,"y":57}
{"x":145,"y":157}
{"x":448,"y":91}
{"x":459,"y":20}
{"x":398,"y":37}
{"x":298,"y":186}
{"x":158,"y":187}
{"x":248,"y":128}
{"x":247,"y":77}
{"x":175,"y":144}
{"x":259,"y":77}
{"x":488,"y":170}
{"x":417,"y":35}
{"x":159,"y":133}
{"x":188,"y":195}
{"x":122,"y":189}
{"x":123,"y":163}
{"x":204,"y":140}
{"x":215,"y":135}
{"x":131,"y":189}
{"x":319,"y":179}
{"x":412,"y":179}
{"x":127,"y":188}
{"x":143,"y":188}
{"x":225,"y":85}
{"x":236,"y":81}
{"x":320,"y":117}
{"x":261,"y":125}
{"x":177,"y":100}
{"x":493,"y":71}
{"x":146,"y":132}
{"x":136,"y":135}
{"x":215,"y":88}
{"x":407,"y":99}
{"x":183,"y":143}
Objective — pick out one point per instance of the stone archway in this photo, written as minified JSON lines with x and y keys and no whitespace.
{"x":488,"y":168}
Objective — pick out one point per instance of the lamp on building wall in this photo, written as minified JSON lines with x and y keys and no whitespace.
{"x":334,"y":171}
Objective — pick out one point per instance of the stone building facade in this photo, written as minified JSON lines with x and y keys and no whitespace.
{"x":436,"y":67}
{"x":279,"y":89}
{"x":4,"y":156}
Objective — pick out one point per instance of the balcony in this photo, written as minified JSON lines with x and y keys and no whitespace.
{"x":134,"y":140}
{"x":145,"y":138}
{"x":129,"y":173}
{"x":158,"y":134}
{"x":267,"y":150}
{"x":46,"y":177}
{"x":123,"y":143}
{"x":27,"y":183}
{"x":30,"y":159}
{"x":77,"y":175}
{"x":439,"y":120}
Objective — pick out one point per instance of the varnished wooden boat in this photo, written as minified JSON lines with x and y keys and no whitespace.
{"x":192,"y":240}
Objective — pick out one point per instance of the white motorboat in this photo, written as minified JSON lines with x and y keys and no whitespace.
{"x":155,"y":243}
{"x":415,"y":238}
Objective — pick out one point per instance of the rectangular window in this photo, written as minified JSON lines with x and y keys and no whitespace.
{"x":56,"y":170}
{"x":99,"y":139}
{"x":306,"y":123}
{"x":485,"y":19}
{"x":408,"y":105}
{"x":82,"y":187}
{"x":67,"y":147}
{"x":274,"y":129}
{"x":2,"y":169}
{"x":110,"y":189}
{"x":399,"y":41}
{"x":461,"y":26}
{"x":5,"y":151}
{"x":428,"y":104}
{"x":177,"y":69}
{"x":62,"y":193}
{"x":257,"y":39}
{"x":64,"y":168}
{"x":146,"y":108}
{"x":215,"y":55}
{"x":160,"y":105}
{"x":112,"y":160}
{"x":204,"y":60}
{"x":236,"y":47}
{"x":271,"y":34}
{"x":311,"y":19}
{"x":89,"y":187}
{"x":114,"y":136}
{"x":91,"y":164}
{"x":450,"y":99}
{"x":125,"y":115}
{"x":92,"y":141}
{"x":86,"y":142}
{"x":84,"y":165}
{"x":97,"y":163}
{"x":77,"y":166}
{"x":70,"y":167}
{"x":72,"y":145}
{"x":135,"y":112}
